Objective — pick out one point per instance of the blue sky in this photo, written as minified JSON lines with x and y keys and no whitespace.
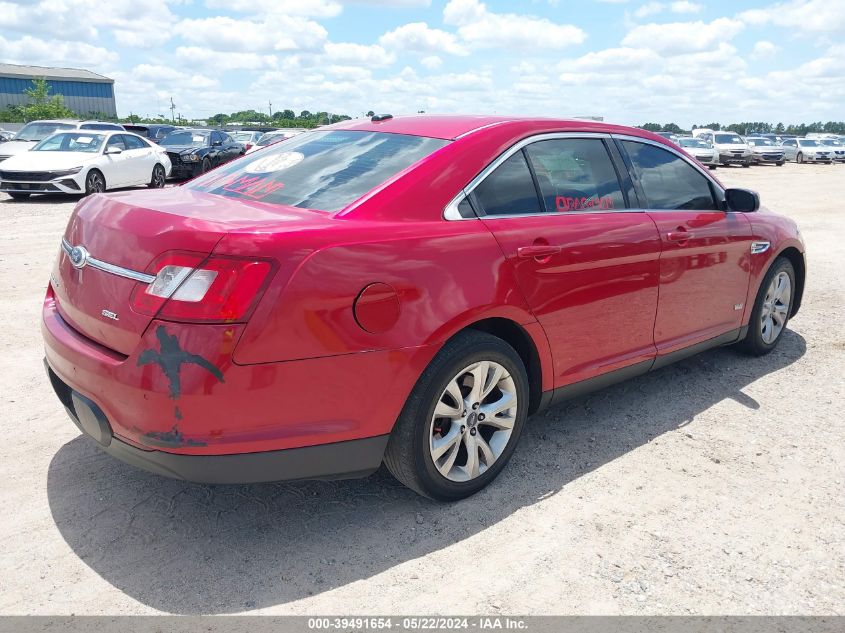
{"x":631,"y":61}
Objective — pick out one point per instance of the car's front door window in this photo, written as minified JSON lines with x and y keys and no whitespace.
{"x":668,"y":181}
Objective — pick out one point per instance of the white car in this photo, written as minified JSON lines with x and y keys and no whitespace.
{"x":732,"y":149}
{"x":701,"y":150}
{"x":807,"y":150}
{"x":36,"y":131}
{"x":248,"y":138}
{"x":82,"y":162}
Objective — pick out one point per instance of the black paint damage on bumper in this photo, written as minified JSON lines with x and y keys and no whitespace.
{"x":337,"y":460}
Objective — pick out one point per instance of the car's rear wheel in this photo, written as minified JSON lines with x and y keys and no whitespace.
{"x":159,"y":177}
{"x":772,"y":308}
{"x":19,"y":196}
{"x":94,"y":182}
{"x":463,"y":419}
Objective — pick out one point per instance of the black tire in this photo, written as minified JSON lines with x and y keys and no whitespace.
{"x":747,"y":163}
{"x":779,"y":163}
{"x":711,"y":166}
{"x":408,"y":455}
{"x":753,"y":343}
{"x":158,"y":178}
{"x":206,"y":166}
{"x":799,"y":158}
{"x":19,"y":196}
{"x":95,"y":182}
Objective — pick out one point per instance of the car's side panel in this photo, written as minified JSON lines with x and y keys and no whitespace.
{"x":703,"y":280}
{"x":445,"y":276}
{"x":596,"y":298}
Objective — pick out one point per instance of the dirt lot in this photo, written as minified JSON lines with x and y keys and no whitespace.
{"x":713,"y":486}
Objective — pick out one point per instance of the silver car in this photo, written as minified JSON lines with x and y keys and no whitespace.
{"x":732,"y":149}
{"x":837,"y":146}
{"x":701,"y":150}
{"x":807,"y":150}
{"x":764,"y":150}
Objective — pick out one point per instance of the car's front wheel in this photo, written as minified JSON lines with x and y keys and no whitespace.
{"x":94,"y":182}
{"x":772,"y":308}
{"x":463,"y":418}
{"x":159,"y":178}
{"x":799,"y":158}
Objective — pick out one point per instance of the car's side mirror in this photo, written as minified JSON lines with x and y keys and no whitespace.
{"x":113,"y":150}
{"x":742,"y":200}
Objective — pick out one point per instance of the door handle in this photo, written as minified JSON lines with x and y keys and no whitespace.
{"x":537,"y":251}
{"x":679,"y":236}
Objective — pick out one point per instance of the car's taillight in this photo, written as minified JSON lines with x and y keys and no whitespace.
{"x":193,"y":287}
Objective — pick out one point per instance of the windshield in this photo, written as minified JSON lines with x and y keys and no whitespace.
{"x":728,"y":139}
{"x":318,"y":170}
{"x":71,"y":142}
{"x":831,"y":142}
{"x":37,"y":131}
{"x":693,"y":142}
{"x":187,"y":138}
{"x":806,"y":142}
{"x":243,"y":136}
{"x":760,"y":141}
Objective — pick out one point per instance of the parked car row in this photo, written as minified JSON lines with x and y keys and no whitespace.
{"x":717,"y":148}
{"x":84,"y":157}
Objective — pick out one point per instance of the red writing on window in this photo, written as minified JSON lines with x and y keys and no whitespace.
{"x":564,"y":203}
{"x":253,"y":186}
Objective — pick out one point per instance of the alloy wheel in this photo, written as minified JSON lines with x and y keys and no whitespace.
{"x":775,"y":307}
{"x":473,"y":421}
{"x":96,"y":184}
{"x":158,"y":177}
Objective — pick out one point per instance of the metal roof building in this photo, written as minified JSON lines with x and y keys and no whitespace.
{"x":84,"y":92}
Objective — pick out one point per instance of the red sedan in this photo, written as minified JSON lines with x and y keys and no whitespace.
{"x":401,"y":290}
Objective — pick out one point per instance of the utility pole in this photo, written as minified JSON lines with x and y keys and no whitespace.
{"x":270,"y":107}
{"x":172,"y":111}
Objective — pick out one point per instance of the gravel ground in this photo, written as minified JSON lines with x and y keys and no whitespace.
{"x":714,"y":486}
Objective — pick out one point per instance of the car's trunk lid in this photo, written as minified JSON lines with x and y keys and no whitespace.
{"x":131,"y":230}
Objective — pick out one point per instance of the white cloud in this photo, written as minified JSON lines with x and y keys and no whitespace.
{"x":168,"y":76}
{"x":432,"y":62}
{"x":481,"y":28}
{"x":279,"y":33}
{"x":419,"y":37}
{"x":199,"y":57}
{"x":649,"y":8}
{"x":683,"y":37}
{"x":373,"y":56}
{"x":34,"y":50}
{"x":764,"y":50}
{"x":684,"y":6}
{"x":808,"y":16}
{"x":135,"y":23}
{"x":309,"y":8}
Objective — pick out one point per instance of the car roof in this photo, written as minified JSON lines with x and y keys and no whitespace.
{"x":451,"y":127}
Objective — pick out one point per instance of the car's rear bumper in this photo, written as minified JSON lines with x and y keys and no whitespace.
{"x":225,"y":410}
{"x":336,"y":460}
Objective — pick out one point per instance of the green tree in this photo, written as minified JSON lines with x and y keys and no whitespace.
{"x":371,"y":113}
{"x":41,"y":105}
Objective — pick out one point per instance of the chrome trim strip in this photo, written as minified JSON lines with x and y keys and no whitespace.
{"x":759,"y":247}
{"x":481,"y":127}
{"x":119,"y":271}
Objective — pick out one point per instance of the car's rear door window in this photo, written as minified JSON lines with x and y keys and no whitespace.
{"x":509,"y":189}
{"x":318,"y":170}
{"x":667,"y":180}
{"x":575,"y":174}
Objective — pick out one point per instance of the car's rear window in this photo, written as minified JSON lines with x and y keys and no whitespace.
{"x":318,"y":170}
